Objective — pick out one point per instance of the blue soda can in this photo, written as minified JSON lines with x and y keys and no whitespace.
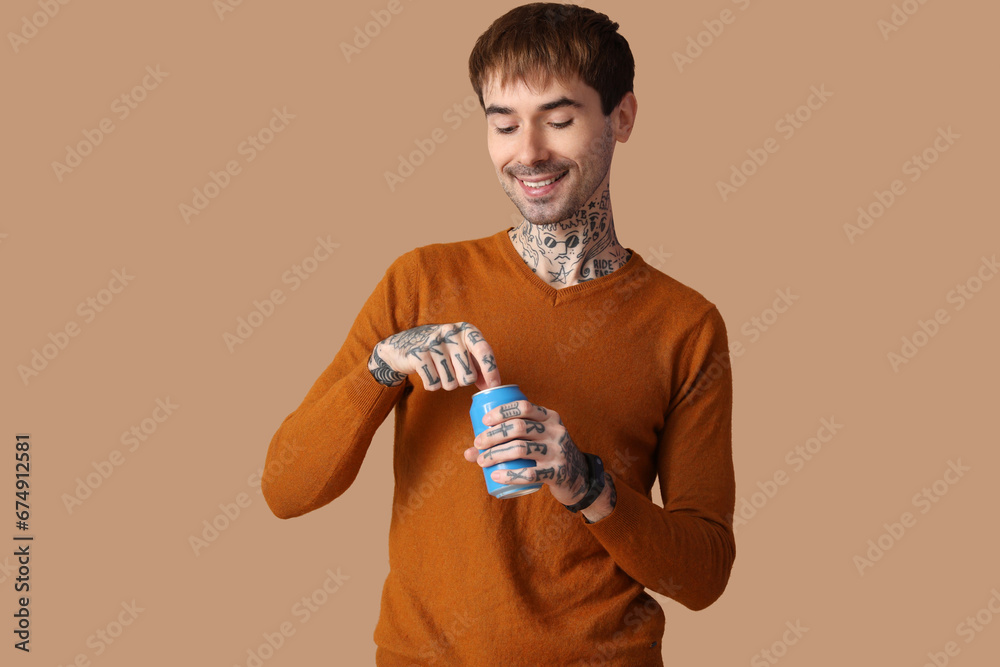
{"x":482,"y":402}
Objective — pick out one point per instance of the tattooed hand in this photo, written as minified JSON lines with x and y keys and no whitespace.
{"x":524,"y":430}
{"x":446,"y":356}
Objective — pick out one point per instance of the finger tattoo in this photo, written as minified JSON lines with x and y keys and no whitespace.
{"x":502,"y":429}
{"x":539,"y":447}
{"x":510,"y":410}
{"x":498,"y":450}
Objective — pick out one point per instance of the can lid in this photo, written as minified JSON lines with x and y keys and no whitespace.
{"x":503,"y":386}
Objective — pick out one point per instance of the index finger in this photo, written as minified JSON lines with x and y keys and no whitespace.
{"x":485,"y":359}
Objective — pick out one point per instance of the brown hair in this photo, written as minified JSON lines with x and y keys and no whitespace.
{"x":534,"y":42}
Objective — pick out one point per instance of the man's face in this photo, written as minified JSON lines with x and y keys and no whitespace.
{"x":535,"y":136}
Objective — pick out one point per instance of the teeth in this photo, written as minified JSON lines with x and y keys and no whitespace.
{"x":542,"y":184}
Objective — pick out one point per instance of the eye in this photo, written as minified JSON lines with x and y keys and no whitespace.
{"x":508,"y":130}
{"x":573,"y":241}
{"x":549,"y":242}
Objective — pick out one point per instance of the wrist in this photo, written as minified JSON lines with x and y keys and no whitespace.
{"x":595,"y":484}
{"x":383,"y":373}
{"x":605,"y":503}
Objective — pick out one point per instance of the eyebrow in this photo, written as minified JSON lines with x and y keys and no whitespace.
{"x":548,"y":106}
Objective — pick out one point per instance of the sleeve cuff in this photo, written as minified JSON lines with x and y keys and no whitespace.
{"x":366,"y":394}
{"x":622,"y":526}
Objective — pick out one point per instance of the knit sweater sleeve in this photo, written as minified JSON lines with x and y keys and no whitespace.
{"x":317,"y":451}
{"x":685,"y":549}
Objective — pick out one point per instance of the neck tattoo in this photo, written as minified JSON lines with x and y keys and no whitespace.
{"x":577,"y":250}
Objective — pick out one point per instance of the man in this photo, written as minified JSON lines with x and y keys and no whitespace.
{"x":626,"y":369}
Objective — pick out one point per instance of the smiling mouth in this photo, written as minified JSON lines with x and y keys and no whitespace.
{"x":542,"y":184}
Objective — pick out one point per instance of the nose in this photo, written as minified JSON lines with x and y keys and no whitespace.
{"x":532,"y":147}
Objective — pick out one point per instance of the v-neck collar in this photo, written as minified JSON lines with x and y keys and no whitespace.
{"x":555,"y":296}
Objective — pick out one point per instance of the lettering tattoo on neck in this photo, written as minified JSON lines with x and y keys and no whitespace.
{"x":590,"y":234}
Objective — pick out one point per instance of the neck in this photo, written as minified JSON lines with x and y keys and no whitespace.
{"x":575,"y":250}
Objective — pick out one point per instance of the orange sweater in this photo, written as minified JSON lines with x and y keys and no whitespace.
{"x":637,"y":366}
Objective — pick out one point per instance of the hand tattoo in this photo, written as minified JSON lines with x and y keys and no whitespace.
{"x":422,"y":339}
{"x":383,"y":372}
{"x":576,"y":473}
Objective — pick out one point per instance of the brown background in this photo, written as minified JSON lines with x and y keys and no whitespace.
{"x":323,"y":175}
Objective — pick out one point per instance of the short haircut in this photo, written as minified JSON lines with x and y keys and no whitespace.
{"x":534,"y":42}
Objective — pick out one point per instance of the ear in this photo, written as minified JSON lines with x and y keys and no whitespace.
{"x":624,"y":116}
